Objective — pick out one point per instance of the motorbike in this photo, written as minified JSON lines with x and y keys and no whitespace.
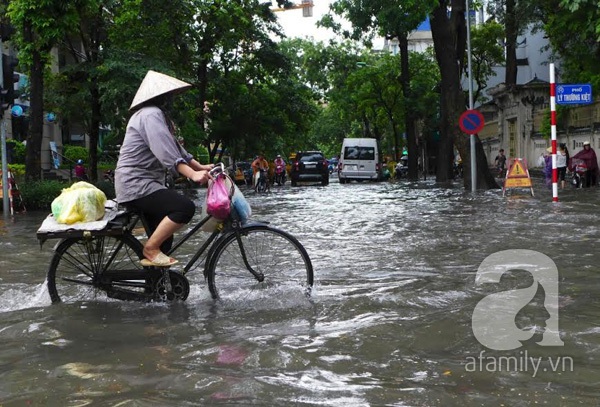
{"x":280,"y":174}
{"x":402,"y":168}
{"x":333,"y":165}
{"x":579,"y":168}
{"x":262,"y":183}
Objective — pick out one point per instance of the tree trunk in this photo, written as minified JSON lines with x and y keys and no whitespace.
{"x":449,"y":38}
{"x":446,"y":42}
{"x":94,"y":132}
{"x":485,"y":178}
{"x":33,"y":158}
{"x":511,"y":29}
{"x":411,"y":136}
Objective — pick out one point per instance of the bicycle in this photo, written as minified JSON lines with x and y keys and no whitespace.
{"x":237,"y":256}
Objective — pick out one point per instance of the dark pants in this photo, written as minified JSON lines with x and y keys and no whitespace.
{"x":590,"y":179}
{"x":161,"y":203}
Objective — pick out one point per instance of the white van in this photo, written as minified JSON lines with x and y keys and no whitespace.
{"x":359,"y":160}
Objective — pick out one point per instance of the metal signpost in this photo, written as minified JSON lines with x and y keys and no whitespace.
{"x":563,"y":94}
{"x":472,"y":137}
{"x":471,"y":122}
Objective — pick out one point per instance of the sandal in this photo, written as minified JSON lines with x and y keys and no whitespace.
{"x":161,"y":260}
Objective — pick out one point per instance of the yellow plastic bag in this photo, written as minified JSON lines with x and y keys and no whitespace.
{"x":81,"y":202}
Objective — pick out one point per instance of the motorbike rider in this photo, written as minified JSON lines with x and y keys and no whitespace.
{"x":259,"y":164}
{"x":80,"y":172}
{"x":279,"y":163}
{"x":279,"y":160}
{"x":401,"y":169}
{"x":588,"y":155}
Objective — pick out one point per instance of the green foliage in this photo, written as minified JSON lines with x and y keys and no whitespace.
{"x":387,"y":18}
{"x":486,"y":53}
{"x":274,"y":97}
{"x":74,"y":153}
{"x":47,"y":22}
{"x":17,"y":169}
{"x":18,"y":150}
{"x":363,"y":92}
{"x":38,"y":195}
{"x":574,"y":34}
{"x":199,"y":152}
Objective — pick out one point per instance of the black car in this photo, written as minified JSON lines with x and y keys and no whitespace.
{"x":310,"y":166}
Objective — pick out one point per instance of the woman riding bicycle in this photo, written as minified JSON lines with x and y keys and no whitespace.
{"x":150,"y":147}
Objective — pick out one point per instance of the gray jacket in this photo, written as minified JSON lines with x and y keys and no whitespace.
{"x":148,"y":149}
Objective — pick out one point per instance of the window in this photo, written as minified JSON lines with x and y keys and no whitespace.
{"x":311,"y":157}
{"x":359,"y":153}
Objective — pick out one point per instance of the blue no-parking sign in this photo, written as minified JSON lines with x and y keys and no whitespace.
{"x":471,"y":121}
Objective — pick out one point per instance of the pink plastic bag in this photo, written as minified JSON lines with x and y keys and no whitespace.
{"x":218,"y":199}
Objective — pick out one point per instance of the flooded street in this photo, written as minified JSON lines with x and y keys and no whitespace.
{"x":389,"y":324}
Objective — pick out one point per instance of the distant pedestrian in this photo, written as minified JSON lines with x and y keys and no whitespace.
{"x":80,"y":172}
{"x":548,"y":167}
{"x":562,"y":158}
{"x":500,"y":162}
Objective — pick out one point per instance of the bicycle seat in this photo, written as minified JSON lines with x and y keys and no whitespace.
{"x":129,"y":218}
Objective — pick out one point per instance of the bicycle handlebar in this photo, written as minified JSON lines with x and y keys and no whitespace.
{"x":218,"y":169}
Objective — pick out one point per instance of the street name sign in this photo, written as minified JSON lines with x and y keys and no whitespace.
{"x":577,"y":94}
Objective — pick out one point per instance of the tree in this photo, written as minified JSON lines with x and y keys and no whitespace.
{"x":40,"y":25}
{"x":225,"y":49}
{"x":574,"y":34}
{"x":379,"y":99}
{"x":391,"y":19}
{"x":515,"y":16}
{"x":449,"y":37}
{"x":85,"y":42}
{"x":486,"y":53}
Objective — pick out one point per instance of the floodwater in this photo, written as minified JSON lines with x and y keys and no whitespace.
{"x":389,"y":324}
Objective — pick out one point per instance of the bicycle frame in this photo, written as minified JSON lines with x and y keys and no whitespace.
{"x":117,"y":272}
{"x":225,"y":229}
{"x":231,"y":225}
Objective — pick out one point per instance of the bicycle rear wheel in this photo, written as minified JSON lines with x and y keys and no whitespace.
{"x":277,"y":259}
{"x":77,"y":268}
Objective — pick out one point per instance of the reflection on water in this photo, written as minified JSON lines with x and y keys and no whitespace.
{"x":389,"y":324}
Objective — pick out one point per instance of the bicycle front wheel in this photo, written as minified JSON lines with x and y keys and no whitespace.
{"x":77,"y":267}
{"x":258,"y":257}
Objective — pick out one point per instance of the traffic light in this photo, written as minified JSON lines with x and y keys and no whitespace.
{"x":6,"y":31}
{"x":4,"y":104}
{"x":9,"y":78}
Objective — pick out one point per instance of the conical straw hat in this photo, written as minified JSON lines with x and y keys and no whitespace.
{"x":156,"y":84}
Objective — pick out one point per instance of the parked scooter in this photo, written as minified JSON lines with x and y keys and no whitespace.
{"x":580,"y":169}
{"x":402,"y":167}
{"x":280,"y":174}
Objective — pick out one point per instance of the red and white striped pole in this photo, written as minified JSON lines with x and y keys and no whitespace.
{"x":553,"y":134}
